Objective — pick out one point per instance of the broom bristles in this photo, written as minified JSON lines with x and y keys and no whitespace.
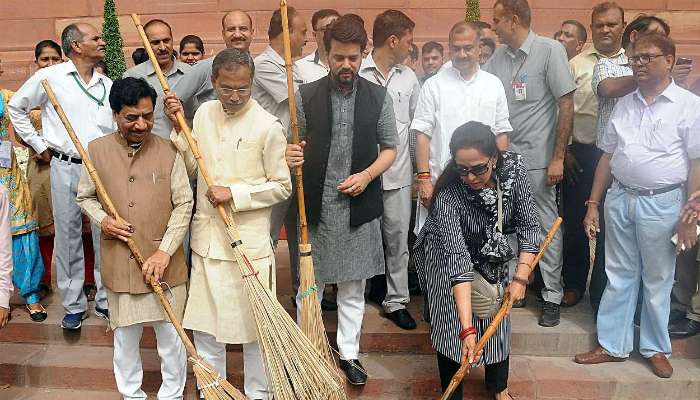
{"x":211,"y":384}
{"x":311,"y":318}
{"x":295,"y":367}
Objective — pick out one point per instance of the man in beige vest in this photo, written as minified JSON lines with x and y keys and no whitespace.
{"x":243,"y":148}
{"x":147,"y":181}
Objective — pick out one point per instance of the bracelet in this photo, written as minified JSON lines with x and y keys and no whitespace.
{"x":423,"y":172}
{"x":371,"y":178}
{"x":466,"y":332}
{"x":423,"y":177}
{"x":587,"y":202}
{"x":521,"y":281}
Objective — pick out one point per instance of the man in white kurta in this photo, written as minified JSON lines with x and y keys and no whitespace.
{"x":457,"y":94}
{"x":243,"y":147}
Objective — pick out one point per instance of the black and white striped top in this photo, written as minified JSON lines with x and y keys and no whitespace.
{"x":450,"y":243}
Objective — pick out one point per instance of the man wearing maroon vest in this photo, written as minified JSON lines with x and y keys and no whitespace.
{"x":147,"y":181}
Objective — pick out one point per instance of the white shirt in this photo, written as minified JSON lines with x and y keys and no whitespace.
{"x":447,"y":101}
{"x":651,"y":144}
{"x":403,"y":87}
{"x":89,"y":119}
{"x":311,"y":68}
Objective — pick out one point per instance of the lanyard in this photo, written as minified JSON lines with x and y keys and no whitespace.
{"x":518,"y":70}
{"x":100,"y":102}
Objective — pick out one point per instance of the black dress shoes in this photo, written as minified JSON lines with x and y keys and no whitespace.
{"x":402,"y":318}
{"x":354,"y":371}
{"x":684,"y":328}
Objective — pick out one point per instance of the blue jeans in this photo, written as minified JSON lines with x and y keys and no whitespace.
{"x":638,"y":247}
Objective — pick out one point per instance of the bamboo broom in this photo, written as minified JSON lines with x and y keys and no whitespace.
{"x":213,"y":385}
{"x":311,"y":320}
{"x":295,"y":369}
{"x":465,"y":368}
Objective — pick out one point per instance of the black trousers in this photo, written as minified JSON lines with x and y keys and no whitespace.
{"x":496,"y":376}
{"x":576,"y":249}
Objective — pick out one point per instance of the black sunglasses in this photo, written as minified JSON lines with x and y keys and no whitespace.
{"x":476,"y":169}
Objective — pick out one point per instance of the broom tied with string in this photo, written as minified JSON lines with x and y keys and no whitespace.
{"x":295,"y":368}
{"x":213,"y":386}
{"x":311,"y":319}
{"x":502,"y":312}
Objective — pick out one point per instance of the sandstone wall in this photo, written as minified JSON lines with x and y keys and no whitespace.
{"x":24,"y":23}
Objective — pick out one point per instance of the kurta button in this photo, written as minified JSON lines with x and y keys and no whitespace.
{"x":131,"y":256}
{"x":131,"y":204}
{"x":130,"y":154}
{"x":131,"y":179}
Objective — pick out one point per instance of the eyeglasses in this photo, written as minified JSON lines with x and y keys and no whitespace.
{"x":643,"y":59}
{"x":477,"y":170}
{"x":227,"y":92}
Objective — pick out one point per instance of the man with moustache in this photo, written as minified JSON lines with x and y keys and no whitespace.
{"x":176,"y":72}
{"x":539,"y":87}
{"x":350,"y":139}
{"x":393,"y":36}
{"x":83,"y":94}
{"x":314,"y":66}
{"x":651,"y":158}
{"x":572,"y":36}
{"x":455,"y":95}
{"x":237,"y":31}
{"x":243,"y":147}
{"x":147,"y":181}
{"x":582,"y":155}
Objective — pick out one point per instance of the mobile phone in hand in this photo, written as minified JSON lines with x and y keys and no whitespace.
{"x":684,"y":61}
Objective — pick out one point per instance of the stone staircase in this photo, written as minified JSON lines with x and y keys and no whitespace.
{"x":42,"y":361}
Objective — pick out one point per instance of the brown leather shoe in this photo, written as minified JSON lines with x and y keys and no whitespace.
{"x":571,"y":297}
{"x":660,"y":365}
{"x":597,"y":356}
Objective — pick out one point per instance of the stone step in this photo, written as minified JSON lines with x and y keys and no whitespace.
{"x":392,"y":376}
{"x":28,"y":393}
{"x":575,"y":334}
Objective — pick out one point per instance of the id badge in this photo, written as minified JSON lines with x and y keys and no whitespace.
{"x":520,"y":91}
{"x":5,"y":154}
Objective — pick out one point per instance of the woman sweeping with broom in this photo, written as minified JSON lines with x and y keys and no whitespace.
{"x":462,"y":250}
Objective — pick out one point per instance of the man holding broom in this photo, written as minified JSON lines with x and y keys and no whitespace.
{"x":146,"y":179}
{"x":243,"y":147}
{"x":350,"y":139}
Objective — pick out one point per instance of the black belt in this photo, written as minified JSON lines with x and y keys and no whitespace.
{"x":649,"y":192}
{"x":65,"y":157}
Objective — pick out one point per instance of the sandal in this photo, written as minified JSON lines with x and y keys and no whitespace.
{"x":37,"y":315}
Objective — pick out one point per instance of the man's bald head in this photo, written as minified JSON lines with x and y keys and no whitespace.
{"x":237,"y":29}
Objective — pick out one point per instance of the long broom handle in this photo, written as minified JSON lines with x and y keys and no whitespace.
{"x":294,"y":122}
{"x":235,"y":241}
{"x":491,"y":329}
{"x":180,"y":117}
{"x":111,"y":209}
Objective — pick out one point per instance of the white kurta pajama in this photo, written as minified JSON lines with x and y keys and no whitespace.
{"x":244,"y":152}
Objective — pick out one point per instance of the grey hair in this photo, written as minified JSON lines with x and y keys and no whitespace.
{"x":230,"y":59}
{"x":71,"y":33}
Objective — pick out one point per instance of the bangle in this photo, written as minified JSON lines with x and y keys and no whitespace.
{"x":371,"y":178}
{"x":466,"y":332}
{"x":423,"y":176}
{"x":587,"y":202}
{"x":521,"y":281}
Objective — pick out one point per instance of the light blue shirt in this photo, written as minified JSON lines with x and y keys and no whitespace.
{"x":651,"y":143}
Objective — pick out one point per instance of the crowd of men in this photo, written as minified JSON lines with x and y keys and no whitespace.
{"x":613,"y":116}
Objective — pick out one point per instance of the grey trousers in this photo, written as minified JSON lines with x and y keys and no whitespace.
{"x":68,"y":248}
{"x":551,"y":263}
{"x":686,"y":288}
{"x":395,"y":226}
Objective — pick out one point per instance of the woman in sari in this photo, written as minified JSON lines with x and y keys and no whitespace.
{"x":26,"y":258}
